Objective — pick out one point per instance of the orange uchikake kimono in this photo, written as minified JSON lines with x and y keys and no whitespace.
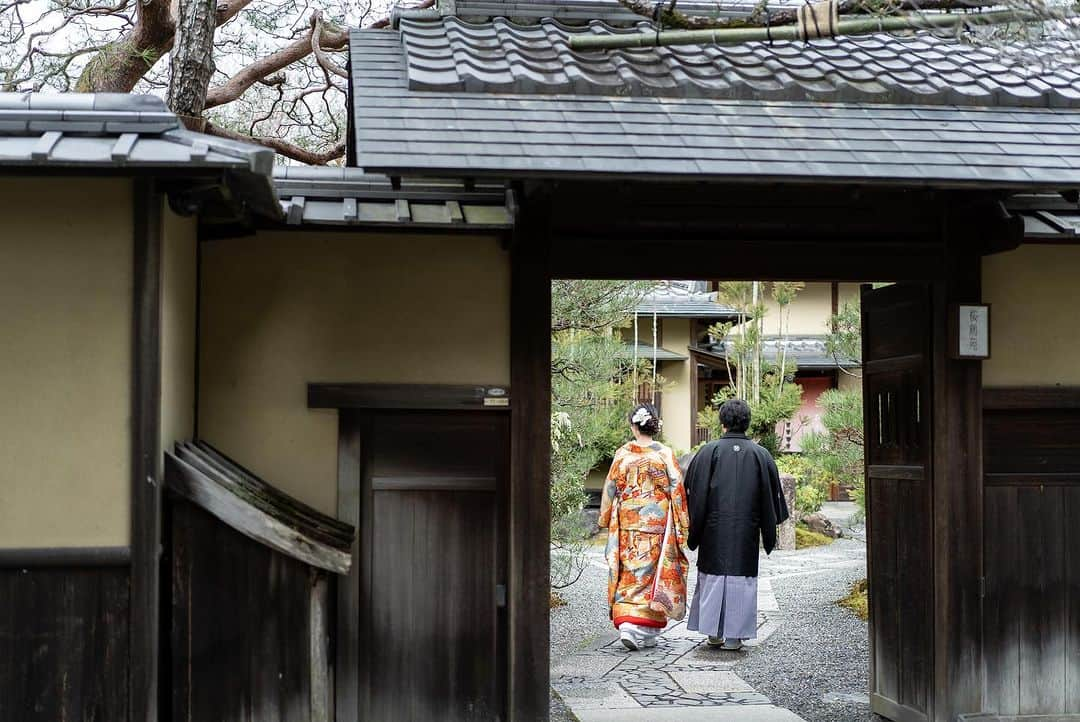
{"x":644,"y":510}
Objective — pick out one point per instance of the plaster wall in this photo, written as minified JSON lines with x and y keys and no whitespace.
{"x":808,"y":314}
{"x":676,"y":405}
{"x":1034,"y":298}
{"x":849,"y":382}
{"x":178,"y":327}
{"x":65,"y":363}
{"x":280,"y":310}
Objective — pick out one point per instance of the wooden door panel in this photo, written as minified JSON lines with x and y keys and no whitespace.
{"x":884,"y":590}
{"x":896,"y":383}
{"x":430,"y":625}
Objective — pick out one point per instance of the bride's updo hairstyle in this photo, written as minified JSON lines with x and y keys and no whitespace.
{"x":646,"y":418}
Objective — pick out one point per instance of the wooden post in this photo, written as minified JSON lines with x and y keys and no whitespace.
{"x":145,"y":454}
{"x":319,"y":691}
{"x":530,"y":503}
{"x":957,"y":494}
{"x":347,"y":631}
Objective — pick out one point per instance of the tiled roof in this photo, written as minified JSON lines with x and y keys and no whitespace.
{"x":501,"y":57}
{"x":808,"y":352}
{"x":137,"y":132}
{"x":72,"y":132}
{"x":401,"y":131}
{"x":685,"y":308}
{"x":350,"y":197}
{"x":646,"y":351}
{"x":114,"y":130}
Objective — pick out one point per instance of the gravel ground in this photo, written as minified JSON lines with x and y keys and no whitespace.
{"x":585,"y":616}
{"x":820,"y":648}
{"x":559,"y":711}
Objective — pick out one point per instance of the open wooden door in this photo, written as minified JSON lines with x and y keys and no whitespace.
{"x":897,"y":394}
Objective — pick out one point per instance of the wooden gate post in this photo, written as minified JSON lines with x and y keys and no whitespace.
{"x":530,"y":502}
{"x":957,"y":490}
{"x":145,"y":455}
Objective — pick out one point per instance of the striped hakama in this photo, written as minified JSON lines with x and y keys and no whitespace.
{"x":724,"y":607}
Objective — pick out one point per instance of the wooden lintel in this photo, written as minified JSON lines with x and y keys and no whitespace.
{"x":420,"y":397}
{"x":1016,"y":398}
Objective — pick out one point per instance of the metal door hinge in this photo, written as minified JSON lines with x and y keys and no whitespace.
{"x":982,"y":587}
{"x":500,"y":595}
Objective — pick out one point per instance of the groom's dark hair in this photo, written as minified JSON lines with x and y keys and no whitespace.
{"x":735,"y":415}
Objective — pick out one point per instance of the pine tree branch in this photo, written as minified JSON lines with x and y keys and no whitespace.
{"x":329,"y":38}
{"x":282,"y":147}
{"x":123,"y":63}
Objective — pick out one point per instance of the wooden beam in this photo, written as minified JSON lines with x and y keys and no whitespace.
{"x":347,"y":631}
{"x":288,"y":509}
{"x":35,"y":558}
{"x":1019,"y":398}
{"x":957,"y":491}
{"x":246,"y":518}
{"x":530,"y":503}
{"x":417,"y":397}
{"x":145,"y":454}
{"x":322,"y":704}
{"x":583,"y":257}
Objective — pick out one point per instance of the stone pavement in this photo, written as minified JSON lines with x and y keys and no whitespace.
{"x":679,"y":679}
{"x":682,"y":679}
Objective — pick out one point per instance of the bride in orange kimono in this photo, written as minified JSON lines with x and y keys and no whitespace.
{"x":644,"y":509}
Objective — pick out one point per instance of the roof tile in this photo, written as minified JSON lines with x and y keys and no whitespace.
{"x":501,"y":57}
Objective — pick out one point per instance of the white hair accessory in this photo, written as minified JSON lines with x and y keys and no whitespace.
{"x":641,"y":416}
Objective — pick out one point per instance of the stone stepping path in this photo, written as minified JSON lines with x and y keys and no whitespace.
{"x":681,"y":679}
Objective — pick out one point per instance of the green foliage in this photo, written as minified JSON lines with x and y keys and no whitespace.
{"x":845,"y":333}
{"x":811,"y":490}
{"x":792,"y":464}
{"x":808,"y":499}
{"x":858,"y":599}
{"x":767,"y":385}
{"x":836,"y":455}
{"x":804,"y":538}
{"x":591,"y":394}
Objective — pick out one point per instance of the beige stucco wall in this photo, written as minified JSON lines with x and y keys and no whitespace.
{"x":849,"y":382}
{"x":808,"y":314}
{"x":1035,"y":296}
{"x":66,"y":295}
{"x":280,"y":310}
{"x":848,"y":292}
{"x":178,"y":286}
{"x":676,"y":403}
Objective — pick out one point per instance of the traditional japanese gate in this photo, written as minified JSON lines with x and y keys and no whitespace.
{"x":924,"y":439}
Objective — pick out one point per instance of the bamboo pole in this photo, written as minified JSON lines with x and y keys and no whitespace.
{"x":854,"y":26}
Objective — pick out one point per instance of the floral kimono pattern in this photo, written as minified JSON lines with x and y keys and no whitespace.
{"x":645,"y":511}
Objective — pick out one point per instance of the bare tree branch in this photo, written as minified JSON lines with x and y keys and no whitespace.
{"x":283,"y":147}
{"x":298,"y":49}
{"x":122,"y":64}
{"x":316,"y":47}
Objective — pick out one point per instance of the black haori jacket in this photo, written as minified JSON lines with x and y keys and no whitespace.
{"x":734,"y":493}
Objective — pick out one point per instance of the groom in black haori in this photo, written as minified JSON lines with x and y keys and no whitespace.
{"x":734,"y":497}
